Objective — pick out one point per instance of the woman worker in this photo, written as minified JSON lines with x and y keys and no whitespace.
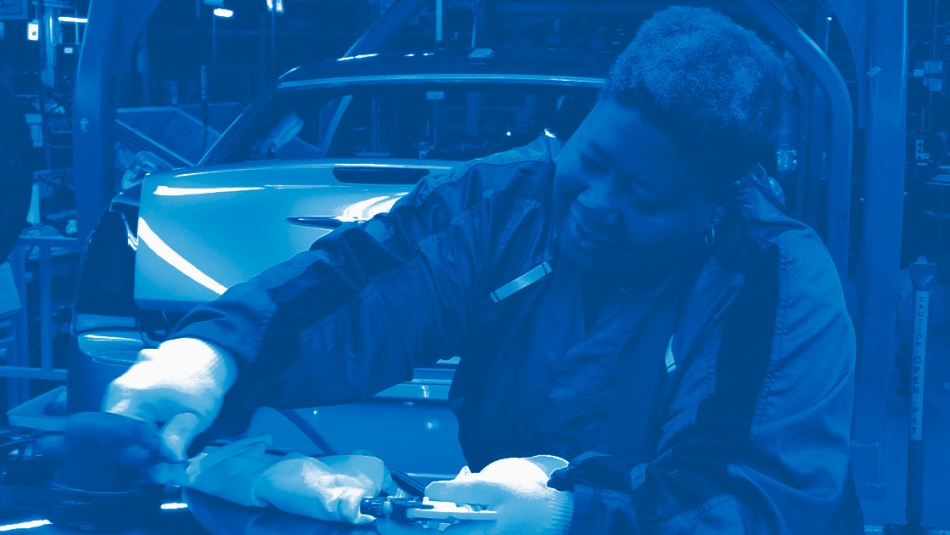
{"x":625,"y":303}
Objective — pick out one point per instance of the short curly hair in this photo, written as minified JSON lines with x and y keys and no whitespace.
{"x":715,"y":86}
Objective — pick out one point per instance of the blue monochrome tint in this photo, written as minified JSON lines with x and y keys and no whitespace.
{"x":584,"y":246}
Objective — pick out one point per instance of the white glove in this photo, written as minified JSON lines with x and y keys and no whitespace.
{"x":515,"y":488}
{"x":181,"y":384}
{"x":326,"y":488}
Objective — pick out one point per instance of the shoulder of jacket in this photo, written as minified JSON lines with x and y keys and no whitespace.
{"x":524,"y":172}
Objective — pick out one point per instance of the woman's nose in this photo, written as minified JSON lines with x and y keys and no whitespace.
{"x":598,"y":203}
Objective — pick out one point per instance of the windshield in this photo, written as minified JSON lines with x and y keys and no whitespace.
{"x":431,"y":121}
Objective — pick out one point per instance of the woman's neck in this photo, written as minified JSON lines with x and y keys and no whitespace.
{"x":641,"y":279}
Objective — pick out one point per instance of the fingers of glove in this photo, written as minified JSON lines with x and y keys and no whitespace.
{"x":515,"y":469}
{"x":148,"y":354}
{"x":388,"y":486}
{"x":548,"y":463}
{"x":169,"y":473}
{"x":470,"y":490}
{"x":120,"y":394}
{"x":177,"y":434}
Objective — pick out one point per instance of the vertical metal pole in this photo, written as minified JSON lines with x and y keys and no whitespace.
{"x":46,"y":308}
{"x":205,"y":117}
{"x":479,"y":25}
{"x":110,"y":33}
{"x":941,"y":210}
{"x":922,"y":276}
{"x":373,"y":125}
{"x":817,"y":128}
{"x":18,"y":265}
{"x":801,"y":144}
{"x":42,"y":32}
{"x":880,"y":239}
{"x":262,"y":49}
{"x":214,"y":40}
{"x":51,"y":34}
{"x":933,"y":57}
{"x":438,"y":23}
{"x":473,"y":108}
{"x":144,"y":70}
{"x":273,"y":42}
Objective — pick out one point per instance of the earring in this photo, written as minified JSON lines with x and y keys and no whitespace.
{"x":710,"y":235}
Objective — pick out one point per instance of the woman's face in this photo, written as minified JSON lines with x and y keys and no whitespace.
{"x":625,"y":198}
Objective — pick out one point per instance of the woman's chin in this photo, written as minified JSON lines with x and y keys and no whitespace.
{"x":605,"y":262}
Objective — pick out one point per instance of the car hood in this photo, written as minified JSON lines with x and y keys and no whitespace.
{"x":203,"y":230}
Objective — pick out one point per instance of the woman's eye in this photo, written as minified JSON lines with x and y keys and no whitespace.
{"x":589,"y":163}
{"x":643,"y":204}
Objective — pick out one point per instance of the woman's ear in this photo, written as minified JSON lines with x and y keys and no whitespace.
{"x":719,"y":205}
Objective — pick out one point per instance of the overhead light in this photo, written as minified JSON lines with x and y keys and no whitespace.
{"x":829,"y":18}
{"x":280,"y":5}
{"x":77,"y":20}
{"x":508,"y":133}
{"x":33,"y":30}
{"x":168,"y":506}
{"x":223,"y":13}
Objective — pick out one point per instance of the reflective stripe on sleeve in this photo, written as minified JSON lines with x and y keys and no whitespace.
{"x":521,"y":282}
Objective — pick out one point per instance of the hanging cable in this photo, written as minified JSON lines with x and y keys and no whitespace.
{"x":921,"y":30}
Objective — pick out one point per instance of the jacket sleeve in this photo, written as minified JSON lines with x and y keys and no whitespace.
{"x":364,"y":306}
{"x":764,"y":447}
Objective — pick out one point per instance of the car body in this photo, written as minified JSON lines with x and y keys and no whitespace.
{"x":333,"y":142}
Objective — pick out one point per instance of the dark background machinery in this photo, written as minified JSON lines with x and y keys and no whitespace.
{"x":16,"y":177}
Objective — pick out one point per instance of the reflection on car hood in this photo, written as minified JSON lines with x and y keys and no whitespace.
{"x":204,"y":230}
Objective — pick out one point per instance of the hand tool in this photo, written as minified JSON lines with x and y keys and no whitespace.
{"x":100,"y":466}
{"x":415,"y":509}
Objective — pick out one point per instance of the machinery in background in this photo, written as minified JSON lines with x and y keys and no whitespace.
{"x":16,"y":179}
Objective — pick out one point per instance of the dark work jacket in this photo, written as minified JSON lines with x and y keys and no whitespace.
{"x":719,"y":402}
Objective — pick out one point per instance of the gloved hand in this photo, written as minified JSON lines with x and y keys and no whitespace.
{"x":515,"y":488}
{"x":181,"y":385}
{"x":326,"y":488}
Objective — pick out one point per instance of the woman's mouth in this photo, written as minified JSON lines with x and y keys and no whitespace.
{"x":589,"y":240}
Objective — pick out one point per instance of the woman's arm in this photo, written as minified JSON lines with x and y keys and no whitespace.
{"x":371,"y":301}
